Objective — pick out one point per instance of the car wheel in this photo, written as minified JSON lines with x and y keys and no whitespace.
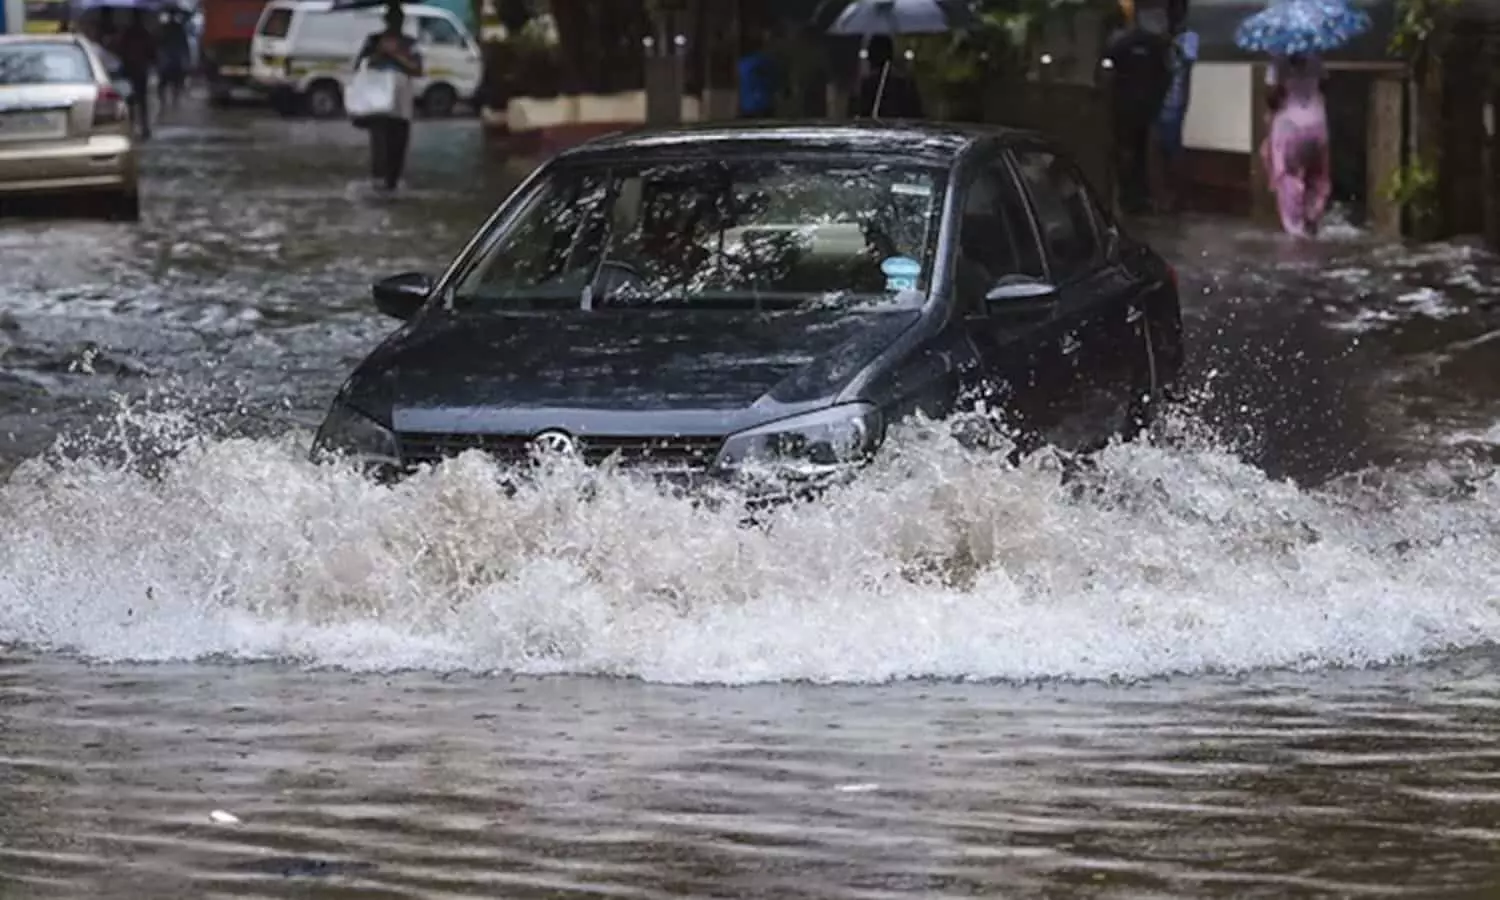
{"x":325,"y":100}
{"x":123,"y":207}
{"x":1147,"y":395}
{"x":439,"y":101}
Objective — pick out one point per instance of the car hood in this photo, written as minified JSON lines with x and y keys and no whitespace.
{"x":713,"y":364}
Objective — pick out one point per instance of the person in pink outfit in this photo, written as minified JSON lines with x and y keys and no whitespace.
{"x":1296,"y":150}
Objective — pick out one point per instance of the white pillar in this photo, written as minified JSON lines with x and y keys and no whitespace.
{"x":15,"y":16}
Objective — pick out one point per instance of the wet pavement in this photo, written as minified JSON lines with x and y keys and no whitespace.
{"x":1197,"y":680}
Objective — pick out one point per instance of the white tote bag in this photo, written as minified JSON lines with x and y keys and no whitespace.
{"x":373,"y":92}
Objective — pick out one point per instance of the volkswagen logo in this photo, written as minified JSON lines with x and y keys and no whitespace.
{"x":554,"y":443}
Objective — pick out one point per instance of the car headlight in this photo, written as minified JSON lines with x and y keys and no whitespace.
{"x":823,"y":441}
{"x":351,"y":435}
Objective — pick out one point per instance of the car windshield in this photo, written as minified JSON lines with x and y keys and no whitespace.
{"x":277,"y":23}
{"x":43,"y":63}
{"x":760,"y":233}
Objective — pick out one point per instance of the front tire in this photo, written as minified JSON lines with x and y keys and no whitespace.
{"x":325,"y":100}
{"x":440,"y":101}
{"x":1149,"y":393}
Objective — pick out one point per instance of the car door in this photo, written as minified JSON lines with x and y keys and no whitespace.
{"x":1018,"y":367}
{"x":1097,"y":385}
{"x":445,"y":54}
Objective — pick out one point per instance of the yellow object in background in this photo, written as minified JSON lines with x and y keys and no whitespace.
{"x":45,"y":16}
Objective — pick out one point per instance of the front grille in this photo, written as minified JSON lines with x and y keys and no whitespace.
{"x":677,"y":452}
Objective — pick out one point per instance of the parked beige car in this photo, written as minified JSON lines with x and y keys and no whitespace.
{"x":64,"y":127}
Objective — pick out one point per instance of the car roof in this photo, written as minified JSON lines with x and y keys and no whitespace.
{"x":941,"y":143}
{"x":327,"y":6}
{"x":27,"y":38}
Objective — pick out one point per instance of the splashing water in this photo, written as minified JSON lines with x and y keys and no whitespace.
{"x":940,"y":561}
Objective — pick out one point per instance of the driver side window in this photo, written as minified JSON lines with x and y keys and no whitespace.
{"x":995,"y":238}
{"x":1063,"y":212}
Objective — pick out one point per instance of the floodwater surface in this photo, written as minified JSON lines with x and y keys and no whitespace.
{"x":1254,"y":657}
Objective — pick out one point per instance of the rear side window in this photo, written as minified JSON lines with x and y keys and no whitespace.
{"x":333,"y":32}
{"x":1062,"y":212}
{"x":276,"y":24}
{"x":44,"y":63}
{"x":438,"y":32}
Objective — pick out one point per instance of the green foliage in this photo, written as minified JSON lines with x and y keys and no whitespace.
{"x":1002,"y":40}
{"x":1417,"y":23}
{"x":1414,"y":187}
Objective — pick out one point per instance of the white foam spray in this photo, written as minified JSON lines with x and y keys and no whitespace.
{"x":940,"y":562}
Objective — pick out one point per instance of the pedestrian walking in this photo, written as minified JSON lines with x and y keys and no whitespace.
{"x":1139,"y":80}
{"x":1296,"y":151}
{"x":1169,"y":123}
{"x":172,"y":64}
{"x":135,"y":47}
{"x":391,"y":50}
{"x":757,"y":77}
{"x":887,"y":91}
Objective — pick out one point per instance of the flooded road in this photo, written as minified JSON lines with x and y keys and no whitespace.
{"x":1254,"y":659}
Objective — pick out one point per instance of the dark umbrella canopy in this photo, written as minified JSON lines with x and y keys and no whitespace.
{"x":892,"y":17}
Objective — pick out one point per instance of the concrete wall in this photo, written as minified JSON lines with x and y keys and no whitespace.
{"x":1220,"y":112}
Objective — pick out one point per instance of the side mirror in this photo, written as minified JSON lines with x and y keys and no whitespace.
{"x":1021,"y":299}
{"x":400,"y":296}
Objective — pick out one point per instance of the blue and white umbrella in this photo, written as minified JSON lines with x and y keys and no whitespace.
{"x":1286,"y":27}
{"x":870,"y":17}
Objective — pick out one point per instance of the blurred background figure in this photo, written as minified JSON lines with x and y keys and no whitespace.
{"x":1141,"y":76}
{"x":1294,"y":33}
{"x":173,"y":59}
{"x":393,"y":50}
{"x":758,"y":81}
{"x":1182,"y":54}
{"x":1297,"y":151}
{"x":887,"y":90}
{"x":135,"y":47}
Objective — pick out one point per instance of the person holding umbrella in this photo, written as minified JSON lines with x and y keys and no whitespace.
{"x":136,"y":48}
{"x":172,"y":62}
{"x":886,"y":89}
{"x":1296,"y":151}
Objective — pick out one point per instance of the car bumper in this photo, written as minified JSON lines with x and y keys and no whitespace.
{"x":95,"y":163}
{"x":268,"y":79}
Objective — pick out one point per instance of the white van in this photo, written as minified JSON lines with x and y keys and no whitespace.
{"x":303,"y":55}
